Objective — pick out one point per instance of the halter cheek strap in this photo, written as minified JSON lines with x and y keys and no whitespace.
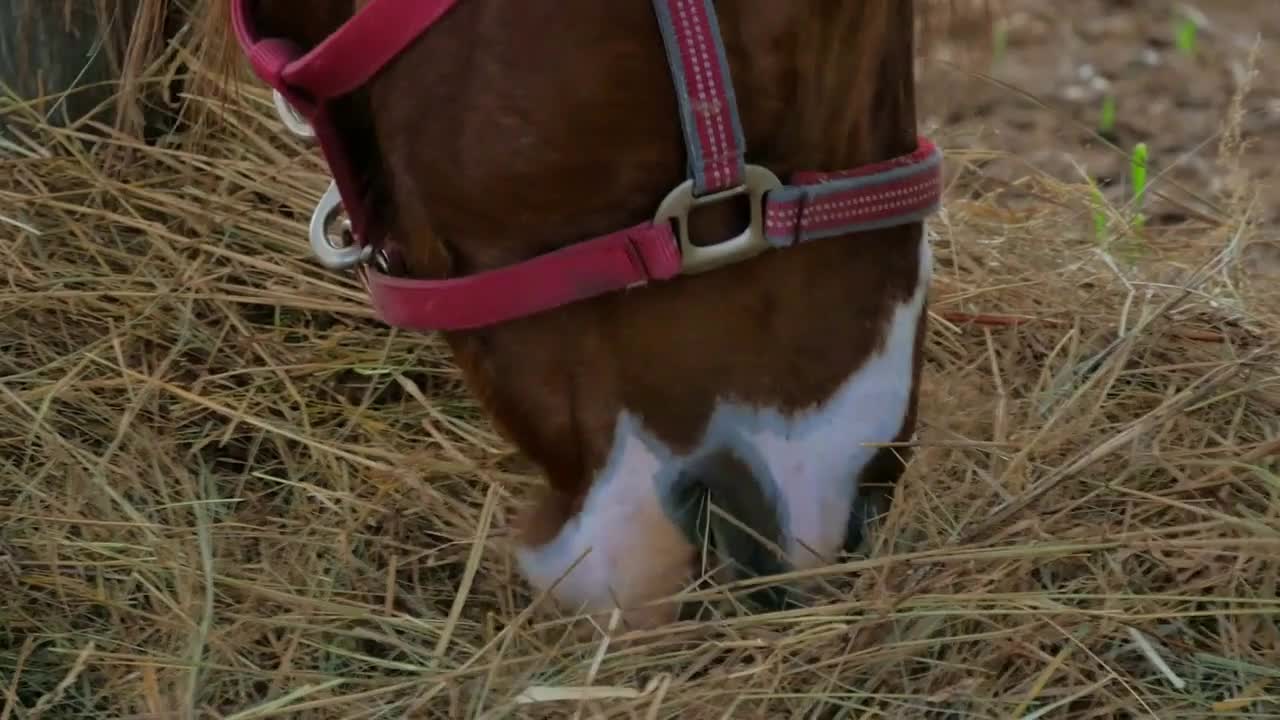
{"x":903,"y":190}
{"x":704,"y":90}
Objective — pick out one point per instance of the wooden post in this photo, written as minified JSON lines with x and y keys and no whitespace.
{"x":50,"y":47}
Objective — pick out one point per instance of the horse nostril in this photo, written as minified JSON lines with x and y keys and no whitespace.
{"x":723,"y":508}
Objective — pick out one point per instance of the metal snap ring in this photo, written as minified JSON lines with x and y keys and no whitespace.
{"x":333,"y":256}
{"x":292,"y":120}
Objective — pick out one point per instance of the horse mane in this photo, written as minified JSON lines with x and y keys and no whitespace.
{"x":216,"y":46}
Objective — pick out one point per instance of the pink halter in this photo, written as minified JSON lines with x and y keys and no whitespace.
{"x":896,"y":192}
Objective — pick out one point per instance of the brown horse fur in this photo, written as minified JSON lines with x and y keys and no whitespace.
{"x":510,"y":129}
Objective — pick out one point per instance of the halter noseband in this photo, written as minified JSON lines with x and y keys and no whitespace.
{"x":902,"y":190}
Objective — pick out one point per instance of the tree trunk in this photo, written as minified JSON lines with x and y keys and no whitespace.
{"x":65,"y":56}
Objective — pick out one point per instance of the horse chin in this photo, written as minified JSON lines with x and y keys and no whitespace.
{"x":610,"y":614}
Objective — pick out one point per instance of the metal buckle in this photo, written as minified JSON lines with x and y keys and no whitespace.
{"x":750,"y":242}
{"x":334,"y":257}
{"x":295,"y":123}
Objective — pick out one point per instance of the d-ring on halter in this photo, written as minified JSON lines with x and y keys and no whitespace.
{"x":899,"y":191}
{"x":334,"y":257}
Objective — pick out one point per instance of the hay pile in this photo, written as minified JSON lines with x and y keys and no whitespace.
{"x":226,"y":492}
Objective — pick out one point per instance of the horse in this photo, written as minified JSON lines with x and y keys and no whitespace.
{"x":586,"y":200}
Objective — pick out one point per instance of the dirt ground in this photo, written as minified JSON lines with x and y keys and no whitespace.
{"x":1044,"y":98}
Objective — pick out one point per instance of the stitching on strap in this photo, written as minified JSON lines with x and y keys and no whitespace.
{"x":704,"y":92}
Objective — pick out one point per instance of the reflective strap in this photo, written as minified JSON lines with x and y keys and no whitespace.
{"x":704,"y":89}
{"x":903,"y":190}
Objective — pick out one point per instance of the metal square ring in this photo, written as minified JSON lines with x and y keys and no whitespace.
{"x":752,"y":241}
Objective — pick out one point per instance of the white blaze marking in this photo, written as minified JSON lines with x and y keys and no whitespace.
{"x":814,"y":456}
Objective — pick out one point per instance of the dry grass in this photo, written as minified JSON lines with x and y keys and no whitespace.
{"x":226,"y":492}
